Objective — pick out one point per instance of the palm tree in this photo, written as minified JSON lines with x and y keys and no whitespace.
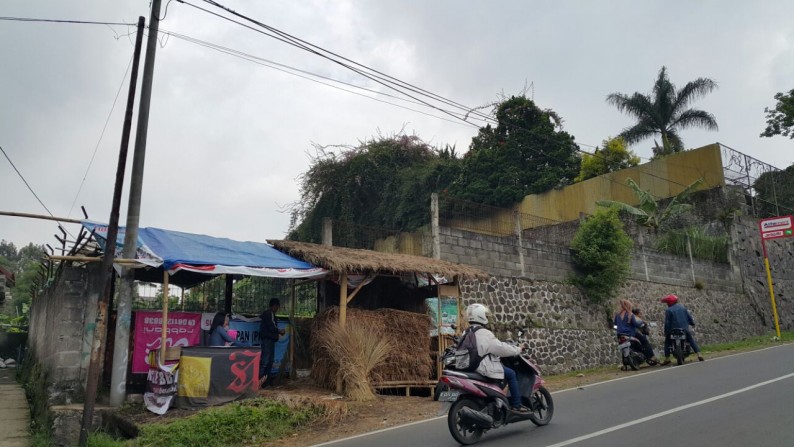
{"x":665,"y":112}
{"x":648,"y":213}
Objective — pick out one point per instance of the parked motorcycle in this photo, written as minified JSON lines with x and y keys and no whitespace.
{"x":680,"y":345}
{"x":477,"y":403}
{"x":631,"y":350}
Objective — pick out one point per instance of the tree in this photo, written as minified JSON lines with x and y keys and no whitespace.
{"x":526,"y":153}
{"x":775,"y":193}
{"x":780,"y":120}
{"x":613,"y":156}
{"x":385,"y":182}
{"x":601,"y":253}
{"x":648,"y":212}
{"x":664,"y":112}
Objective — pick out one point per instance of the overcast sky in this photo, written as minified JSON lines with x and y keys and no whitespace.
{"x":228,"y":139}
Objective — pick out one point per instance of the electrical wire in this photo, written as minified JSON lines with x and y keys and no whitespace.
{"x":78,"y":22}
{"x":101,"y":135}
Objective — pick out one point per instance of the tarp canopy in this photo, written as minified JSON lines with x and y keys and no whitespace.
{"x":189,"y":258}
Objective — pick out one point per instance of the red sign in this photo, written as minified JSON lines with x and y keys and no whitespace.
{"x":184,"y":329}
{"x":777,"y":227}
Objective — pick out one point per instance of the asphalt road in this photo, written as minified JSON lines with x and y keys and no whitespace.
{"x":735,"y":401}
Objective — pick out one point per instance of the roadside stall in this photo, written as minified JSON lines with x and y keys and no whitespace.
{"x":168,"y":345}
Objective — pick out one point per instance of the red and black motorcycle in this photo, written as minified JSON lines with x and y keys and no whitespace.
{"x":477,"y":403}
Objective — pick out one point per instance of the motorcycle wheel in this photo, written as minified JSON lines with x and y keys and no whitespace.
{"x":678,"y":353}
{"x":632,"y":362}
{"x":464,"y":433}
{"x":542,"y":407}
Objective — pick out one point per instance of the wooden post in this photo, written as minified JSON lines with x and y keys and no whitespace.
{"x":343,"y":300}
{"x":292,"y":333}
{"x":164,"y":334}
{"x":227,"y":303}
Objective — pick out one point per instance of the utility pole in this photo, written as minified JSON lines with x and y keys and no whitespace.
{"x":118,"y":381}
{"x":106,"y":281}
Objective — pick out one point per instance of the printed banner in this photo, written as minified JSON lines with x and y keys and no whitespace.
{"x":449,"y":315}
{"x":216,"y":375}
{"x":161,"y":387}
{"x":246,"y":331}
{"x":184,"y":329}
{"x":249,"y":332}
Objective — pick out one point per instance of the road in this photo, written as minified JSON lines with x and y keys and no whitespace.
{"x":735,"y":401}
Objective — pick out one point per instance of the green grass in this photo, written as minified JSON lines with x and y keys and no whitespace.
{"x":750,"y":343}
{"x":249,"y":422}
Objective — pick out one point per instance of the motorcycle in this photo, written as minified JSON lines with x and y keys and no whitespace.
{"x":631,"y":350}
{"x":680,"y":345}
{"x":477,"y":403}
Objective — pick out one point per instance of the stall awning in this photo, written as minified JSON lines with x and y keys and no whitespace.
{"x":185,"y":254}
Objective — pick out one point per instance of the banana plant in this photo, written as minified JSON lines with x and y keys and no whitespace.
{"x":648,"y":212}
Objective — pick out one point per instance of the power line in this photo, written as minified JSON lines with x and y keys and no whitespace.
{"x":102,"y":134}
{"x":25,"y":181}
{"x":78,"y":22}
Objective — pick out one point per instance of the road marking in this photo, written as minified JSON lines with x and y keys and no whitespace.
{"x":397,"y":427}
{"x":668,"y":412}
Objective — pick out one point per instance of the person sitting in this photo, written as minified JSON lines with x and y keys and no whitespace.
{"x":491,"y":349}
{"x":627,"y":324}
{"x":219,"y":335}
{"x":677,"y":317}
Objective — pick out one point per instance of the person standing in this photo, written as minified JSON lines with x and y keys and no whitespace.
{"x":268,"y":336}
{"x":677,"y":317}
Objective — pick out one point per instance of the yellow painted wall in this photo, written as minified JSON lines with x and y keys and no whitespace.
{"x":664,"y":178}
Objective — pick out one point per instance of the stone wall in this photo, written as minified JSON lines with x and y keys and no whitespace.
{"x":566,"y":332}
{"x":62,"y":320}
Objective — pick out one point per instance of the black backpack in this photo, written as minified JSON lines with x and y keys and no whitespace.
{"x":466,"y":356}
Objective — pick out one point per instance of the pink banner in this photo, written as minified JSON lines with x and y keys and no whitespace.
{"x":184,"y":329}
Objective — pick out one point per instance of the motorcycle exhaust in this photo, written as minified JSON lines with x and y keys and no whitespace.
{"x":475,"y":417}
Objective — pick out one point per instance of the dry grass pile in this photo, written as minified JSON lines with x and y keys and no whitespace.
{"x":408,"y":358}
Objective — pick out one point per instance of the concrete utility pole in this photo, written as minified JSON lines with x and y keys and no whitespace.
{"x":118,"y":381}
{"x":108,"y":276}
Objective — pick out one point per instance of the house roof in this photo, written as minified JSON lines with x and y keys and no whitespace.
{"x":351,"y":260}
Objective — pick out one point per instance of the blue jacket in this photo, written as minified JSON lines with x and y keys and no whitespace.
{"x":628,"y":324}
{"x":220,"y":337}
{"x":676,"y":316}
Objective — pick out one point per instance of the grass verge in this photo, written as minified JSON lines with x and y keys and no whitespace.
{"x":249,"y":422}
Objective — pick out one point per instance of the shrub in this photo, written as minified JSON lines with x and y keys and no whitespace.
{"x":601,"y":254}
{"x":709,"y":248}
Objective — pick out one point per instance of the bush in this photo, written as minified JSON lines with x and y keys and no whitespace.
{"x":709,"y":248}
{"x":601,"y":254}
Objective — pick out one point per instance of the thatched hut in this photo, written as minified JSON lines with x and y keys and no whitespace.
{"x":385,"y":281}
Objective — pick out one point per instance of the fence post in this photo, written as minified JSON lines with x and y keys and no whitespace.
{"x":642,"y":253}
{"x":691,"y":260}
{"x":328,"y":231}
{"x":520,"y":239}
{"x":434,"y":230}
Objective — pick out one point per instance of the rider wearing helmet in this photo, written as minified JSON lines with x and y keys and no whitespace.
{"x":677,"y":317}
{"x":490,"y":349}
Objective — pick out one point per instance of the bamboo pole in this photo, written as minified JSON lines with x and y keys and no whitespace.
{"x":164,"y":335}
{"x":343,"y":300}
{"x":39,"y":216}
{"x":292,"y":333}
{"x":91,"y":259}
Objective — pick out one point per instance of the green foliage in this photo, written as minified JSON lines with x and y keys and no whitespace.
{"x":601,"y":254}
{"x":709,"y":248}
{"x":99,"y":439}
{"x":648,"y":213}
{"x":385,"y":182}
{"x":249,"y":422}
{"x":526,"y":153}
{"x":780,"y":120}
{"x":776,"y":192}
{"x":664,"y":112}
{"x":612,"y":156}
{"x":25,"y":265}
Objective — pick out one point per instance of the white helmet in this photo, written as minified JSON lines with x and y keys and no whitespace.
{"x":477,"y":313}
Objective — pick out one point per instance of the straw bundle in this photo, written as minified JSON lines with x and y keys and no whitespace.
{"x":407,"y":333}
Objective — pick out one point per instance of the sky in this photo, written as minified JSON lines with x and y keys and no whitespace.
{"x":229,"y":139}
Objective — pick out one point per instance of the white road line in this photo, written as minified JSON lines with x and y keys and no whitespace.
{"x":670,"y":411}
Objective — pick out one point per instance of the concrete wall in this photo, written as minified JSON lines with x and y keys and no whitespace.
{"x":62,"y":321}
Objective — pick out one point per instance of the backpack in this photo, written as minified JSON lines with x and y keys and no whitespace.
{"x":466,"y":356}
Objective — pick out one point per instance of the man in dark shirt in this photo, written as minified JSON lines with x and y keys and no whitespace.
{"x":268,"y":336}
{"x":677,"y":317}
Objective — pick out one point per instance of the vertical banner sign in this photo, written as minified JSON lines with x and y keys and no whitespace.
{"x":184,"y":329}
{"x":449,"y":314}
{"x":774,"y":228}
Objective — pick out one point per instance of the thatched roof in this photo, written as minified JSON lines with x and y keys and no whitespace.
{"x":351,"y":260}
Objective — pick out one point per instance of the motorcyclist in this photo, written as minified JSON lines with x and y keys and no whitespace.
{"x":627,"y":323}
{"x":677,"y":317}
{"x":491,"y":349}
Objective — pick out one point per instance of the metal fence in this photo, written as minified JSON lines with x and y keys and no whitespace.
{"x":749,"y":174}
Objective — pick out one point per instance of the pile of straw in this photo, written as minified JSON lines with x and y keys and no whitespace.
{"x":407,"y":333}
